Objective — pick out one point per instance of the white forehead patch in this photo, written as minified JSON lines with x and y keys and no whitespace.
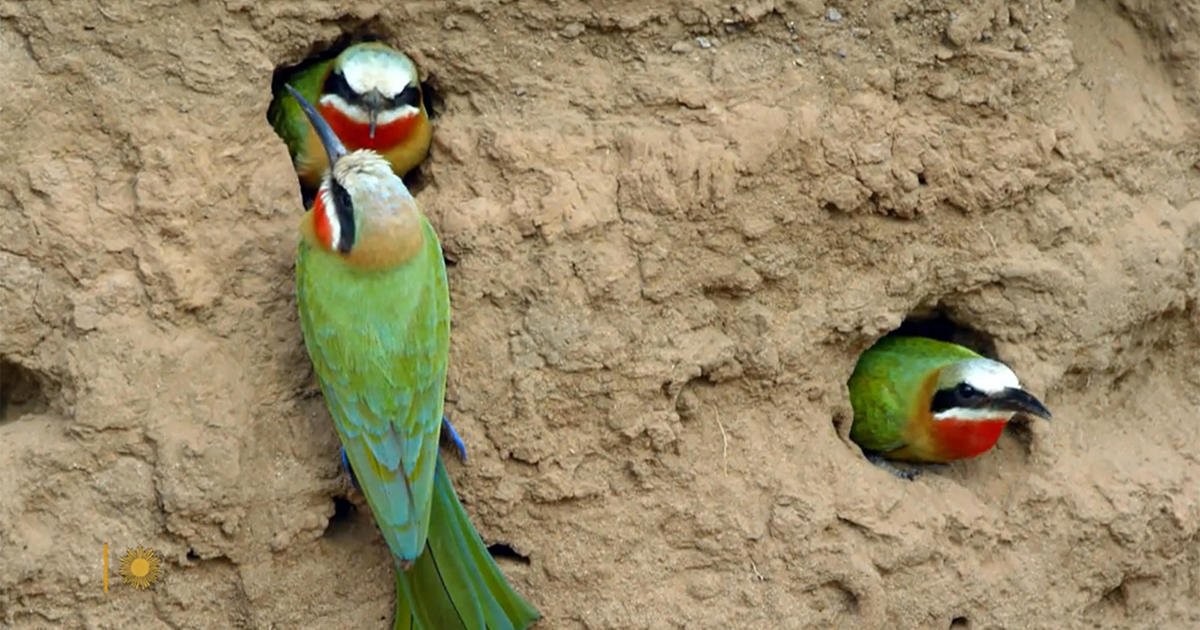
{"x":985,"y":375}
{"x":375,"y":68}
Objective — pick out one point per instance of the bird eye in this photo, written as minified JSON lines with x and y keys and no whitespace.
{"x":410,"y":96}
{"x":966,"y":391}
{"x":336,"y":83}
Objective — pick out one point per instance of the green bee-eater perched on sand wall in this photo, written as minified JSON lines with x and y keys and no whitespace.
{"x":375,"y":312}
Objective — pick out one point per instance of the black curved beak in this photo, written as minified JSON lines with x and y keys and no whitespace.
{"x":1020,"y":401}
{"x":333,"y":145}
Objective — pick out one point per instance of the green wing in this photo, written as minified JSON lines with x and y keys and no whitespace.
{"x":284,"y":112}
{"x":885,"y":384}
{"x":379,"y":342}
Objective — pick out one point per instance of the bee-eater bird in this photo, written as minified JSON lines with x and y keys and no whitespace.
{"x":371,"y":95}
{"x":375,"y":313}
{"x":921,"y":400}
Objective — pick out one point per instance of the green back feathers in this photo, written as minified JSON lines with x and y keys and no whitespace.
{"x":886,"y":382}
{"x":285,"y":114}
{"x":379,"y":342}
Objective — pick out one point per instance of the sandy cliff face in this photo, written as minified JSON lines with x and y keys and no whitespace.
{"x":675,"y":228}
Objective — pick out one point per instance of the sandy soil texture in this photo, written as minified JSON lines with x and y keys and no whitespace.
{"x":674,"y":227}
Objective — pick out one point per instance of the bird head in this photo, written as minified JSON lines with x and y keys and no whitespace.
{"x":982,"y":389}
{"x":359,"y":191}
{"x":373,"y":84}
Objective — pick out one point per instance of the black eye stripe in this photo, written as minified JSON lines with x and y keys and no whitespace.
{"x":336,"y":83}
{"x":410,"y":95}
{"x":343,"y":208}
{"x":962,"y":395}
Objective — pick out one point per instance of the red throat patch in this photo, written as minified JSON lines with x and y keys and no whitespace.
{"x":357,"y":135}
{"x":960,"y":439}
{"x":320,"y":220}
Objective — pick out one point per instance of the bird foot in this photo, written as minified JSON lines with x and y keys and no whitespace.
{"x":349,"y":470}
{"x":448,"y":433}
{"x":907,"y":474}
